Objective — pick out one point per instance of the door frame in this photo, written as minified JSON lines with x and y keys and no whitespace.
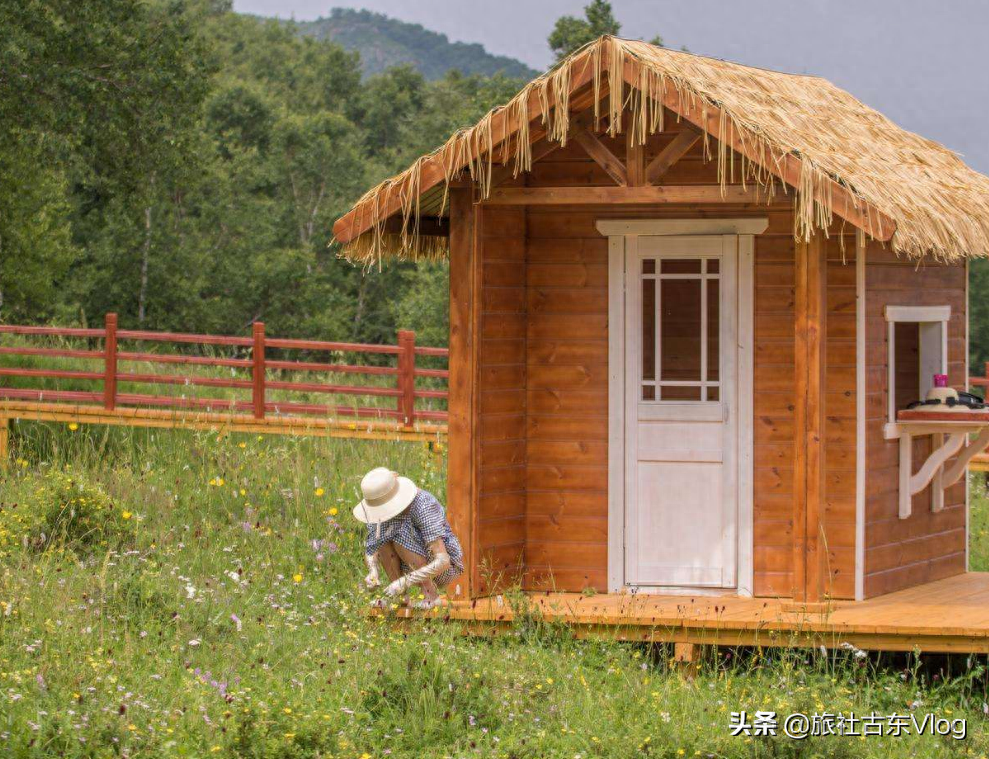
{"x":617,"y":231}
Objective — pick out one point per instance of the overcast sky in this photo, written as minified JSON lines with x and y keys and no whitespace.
{"x":923,"y":63}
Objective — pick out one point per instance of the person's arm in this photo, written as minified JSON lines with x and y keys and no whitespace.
{"x":373,"y":578}
{"x":439,"y":564}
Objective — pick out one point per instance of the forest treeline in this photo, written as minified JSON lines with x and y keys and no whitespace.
{"x":183,"y":165}
{"x":384,"y":42}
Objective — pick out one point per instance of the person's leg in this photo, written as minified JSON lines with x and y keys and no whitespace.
{"x":415,"y":561}
{"x":392,"y":565}
{"x":390,"y":561}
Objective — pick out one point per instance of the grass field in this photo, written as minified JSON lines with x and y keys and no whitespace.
{"x":175,"y":594}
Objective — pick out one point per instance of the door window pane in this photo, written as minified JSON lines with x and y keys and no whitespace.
{"x":649,"y":329}
{"x":680,"y":329}
{"x":649,"y":266}
{"x":680,"y":266}
{"x":713,"y":330}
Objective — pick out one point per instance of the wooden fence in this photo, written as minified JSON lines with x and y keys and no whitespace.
{"x":266,"y":368}
{"x":980,"y":462}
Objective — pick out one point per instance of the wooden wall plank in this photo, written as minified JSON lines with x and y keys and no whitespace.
{"x":501,"y":378}
{"x":462,"y":456}
{"x":773,"y":408}
{"x":567,"y":412}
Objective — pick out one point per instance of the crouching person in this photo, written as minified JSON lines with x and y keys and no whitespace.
{"x":408,"y":536}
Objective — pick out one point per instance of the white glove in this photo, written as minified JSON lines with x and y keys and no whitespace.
{"x":373,"y":578}
{"x":426,"y":605}
{"x":437,"y":566}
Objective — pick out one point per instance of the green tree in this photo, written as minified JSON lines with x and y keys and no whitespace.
{"x":319,"y":170}
{"x":423,"y":304}
{"x":110,"y":93}
{"x":35,"y":236}
{"x":183,"y":165}
{"x":979,"y":316}
{"x":570,"y":33}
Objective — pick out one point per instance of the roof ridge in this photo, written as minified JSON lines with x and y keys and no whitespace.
{"x":729,"y":61}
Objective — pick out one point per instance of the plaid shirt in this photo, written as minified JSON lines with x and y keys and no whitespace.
{"x":414,"y":529}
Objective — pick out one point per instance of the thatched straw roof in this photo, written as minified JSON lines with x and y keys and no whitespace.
{"x":841,"y":157}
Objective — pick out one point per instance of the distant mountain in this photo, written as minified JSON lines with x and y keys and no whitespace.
{"x":384,"y":42}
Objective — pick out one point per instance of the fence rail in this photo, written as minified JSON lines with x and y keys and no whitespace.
{"x":259,"y":367}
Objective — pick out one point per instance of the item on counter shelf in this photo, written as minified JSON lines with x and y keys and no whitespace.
{"x":947,"y":398}
{"x":941,"y":392}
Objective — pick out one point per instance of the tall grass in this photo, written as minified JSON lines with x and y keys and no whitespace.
{"x":229,"y":623}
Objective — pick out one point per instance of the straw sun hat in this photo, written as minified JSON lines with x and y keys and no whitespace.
{"x":385,"y":495}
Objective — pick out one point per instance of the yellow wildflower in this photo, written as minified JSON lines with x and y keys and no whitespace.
{"x":126,"y":515}
{"x":73,"y":426}
{"x":297,"y":577}
{"x":319,"y":492}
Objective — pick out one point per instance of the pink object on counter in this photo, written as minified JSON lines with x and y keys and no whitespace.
{"x":940,"y":380}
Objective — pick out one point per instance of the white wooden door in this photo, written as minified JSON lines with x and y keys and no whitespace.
{"x":681,"y":446}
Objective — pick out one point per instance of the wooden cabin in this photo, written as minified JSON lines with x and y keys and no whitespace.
{"x":689,"y":303}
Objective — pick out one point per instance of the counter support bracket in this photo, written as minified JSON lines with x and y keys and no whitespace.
{"x":947,"y":440}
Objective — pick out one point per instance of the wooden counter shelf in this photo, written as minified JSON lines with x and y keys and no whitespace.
{"x":951,"y":433}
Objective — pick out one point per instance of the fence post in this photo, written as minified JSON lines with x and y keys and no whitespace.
{"x":110,"y":363}
{"x":4,"y":442}
{"x":407,"y":376}
{"x":257,"y":370}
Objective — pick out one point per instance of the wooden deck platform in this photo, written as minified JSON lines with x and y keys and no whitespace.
{"x":947,"y":616}
{"x":220,"y":422}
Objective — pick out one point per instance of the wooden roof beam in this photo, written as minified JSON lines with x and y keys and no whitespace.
{"x":603,"y":157}
{"x":635,"y":159}
{"x":677,"y":149}
{"x":647,"y":194}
